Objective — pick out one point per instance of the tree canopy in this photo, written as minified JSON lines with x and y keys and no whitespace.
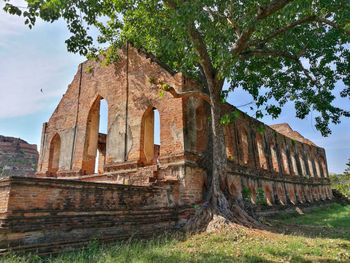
{"x":277,"y":50}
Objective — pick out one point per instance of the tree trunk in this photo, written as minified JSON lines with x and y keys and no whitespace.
{"x":218,"y":148}
{"x":219,"y":208}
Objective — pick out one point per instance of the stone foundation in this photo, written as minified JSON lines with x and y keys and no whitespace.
{"x":47,"y":215}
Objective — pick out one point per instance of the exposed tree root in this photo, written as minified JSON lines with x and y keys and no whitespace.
{"x":224,"y":214}
{"x":200,"y":221}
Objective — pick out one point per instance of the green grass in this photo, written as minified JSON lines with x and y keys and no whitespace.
{"x":336,"y":216}
{"x":292,"y":239}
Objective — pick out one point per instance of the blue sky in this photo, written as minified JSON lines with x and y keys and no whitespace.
{"x":31,"y":60}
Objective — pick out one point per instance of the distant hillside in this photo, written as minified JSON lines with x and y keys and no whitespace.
{"x":17,"y":157}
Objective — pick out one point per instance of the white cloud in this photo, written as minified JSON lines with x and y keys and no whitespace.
{"x":10,"y":24}
{"x":21,"y":81}
{"x":31,"y":60}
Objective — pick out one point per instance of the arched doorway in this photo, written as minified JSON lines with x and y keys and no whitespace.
{"x":96,"y":137}
{"x":54,"y":155}
{"x":150,"y":137}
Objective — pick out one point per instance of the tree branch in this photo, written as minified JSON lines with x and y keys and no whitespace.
{"x":308,"y":19}
{"x":186,"y":94}
{"x":200,"y":48}
{"x":268,"y":52}
{"x":279,"y":53}
{"x":262,"y":13}
{"x":332,"y":24}
{"x":219,"y":14}
{"x":286,"y":28}
{"x":234,"y":26}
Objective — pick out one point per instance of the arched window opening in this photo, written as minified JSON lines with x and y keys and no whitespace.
{"x":96,"y":137}
{"x":244,"y":146}
{"x":54,"y":155}
{"x":156,"y":135}
{"x":100,"y":159}
{"x":274,"y":158}
{"x":285,"y":161}
{"x":102,"y":137}
{"x":229,"y":142}
{"x":150,"y":137}
{"x":261,"y":152}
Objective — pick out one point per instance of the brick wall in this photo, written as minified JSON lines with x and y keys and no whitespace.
{"x":286,"y":166}
{"x":50,"y":214}
{"x":117,"y":86}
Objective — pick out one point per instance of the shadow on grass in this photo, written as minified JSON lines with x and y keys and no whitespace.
{"x":330,"y":222}
{"x":156,"y":251}
{"x":335,"y":215}
{"x":208,"y":248}
{"x":212,"y":257}
{"x":300,"y":259}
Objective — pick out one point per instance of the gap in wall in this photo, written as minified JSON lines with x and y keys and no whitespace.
{"x":102,"y":128}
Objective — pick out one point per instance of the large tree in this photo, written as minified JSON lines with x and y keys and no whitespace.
{"x":277,"y":50}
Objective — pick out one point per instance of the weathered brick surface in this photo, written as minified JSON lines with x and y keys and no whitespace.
{"x":293,"y":165}
{"x":50,"y":214}
{"x":116,"y":86}
{"x":17,"y":157}
{"x":140,"y":186}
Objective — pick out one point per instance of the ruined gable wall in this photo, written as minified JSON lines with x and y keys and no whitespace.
{"x":110,"y":82}
{"x":144,"y":94}
{"x":107,"y":82}
{"x":61,"y":122}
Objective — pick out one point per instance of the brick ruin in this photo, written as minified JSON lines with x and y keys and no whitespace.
{"x":110,"y":186}
{"x":17,"y":157}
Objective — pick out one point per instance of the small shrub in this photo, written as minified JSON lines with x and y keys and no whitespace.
{"x":341,"y":182}
{"x":260,"y":197}
{"x":246,"y":193}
